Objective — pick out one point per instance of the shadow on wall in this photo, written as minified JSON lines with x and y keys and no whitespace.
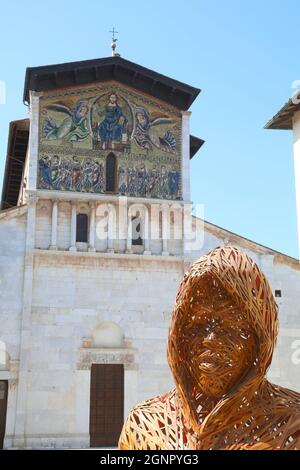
{"x":4,"y":357}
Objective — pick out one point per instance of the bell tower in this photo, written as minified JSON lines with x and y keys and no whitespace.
{"x":107,"y":133}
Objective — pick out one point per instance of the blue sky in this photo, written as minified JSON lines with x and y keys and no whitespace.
{"x":243,"y":55}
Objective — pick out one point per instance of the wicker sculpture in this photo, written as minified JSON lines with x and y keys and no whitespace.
{"x":221,"y":340}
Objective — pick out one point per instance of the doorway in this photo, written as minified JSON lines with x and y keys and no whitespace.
{"x":106,"y":404}
{"x":3,"y":409}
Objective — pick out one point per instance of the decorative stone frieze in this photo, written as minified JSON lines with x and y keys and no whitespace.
{"x":89,"y":356}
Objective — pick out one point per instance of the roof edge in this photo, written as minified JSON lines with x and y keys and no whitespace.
{"x":11,"y":128}
{"x":11,"y":211}
{"x":283,"y":119}
{"x":248,"y":240}
{"x":195,"y":145}
{"x":46,"y":77}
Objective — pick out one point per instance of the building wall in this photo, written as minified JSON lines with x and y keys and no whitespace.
{"x":12,"y":249}
{"x":296,"y":148}
{"x":12,"y":259}
{"x":74,"y":292}
{"x":286,"y":362}
{"x":174,"y":244}
{"x":43,"y":225}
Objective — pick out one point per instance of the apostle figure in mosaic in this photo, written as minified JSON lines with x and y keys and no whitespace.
{"x":98,"y":177}
{"x":153,"y":189}
{"x":122,"y":180}
{"x":132,"y":182}
{"x":173,"y":182}
{"x":76,"y":173}
{"x":221,"y":341}
{"x":164,"y":183}
{"x":56,"y":175}
{"x":45,"y":171}
{"x":142,"y":180}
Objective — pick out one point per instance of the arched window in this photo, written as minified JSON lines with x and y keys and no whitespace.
{"x":82,"y":228}
{"x":136,"y":224}
{"x":111,"y":173}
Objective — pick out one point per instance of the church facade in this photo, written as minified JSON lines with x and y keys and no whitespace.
{"x":96,"y":232}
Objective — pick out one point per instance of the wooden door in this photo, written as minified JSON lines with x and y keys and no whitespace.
{"x":106,"y":404}
{"x":3,"y":408}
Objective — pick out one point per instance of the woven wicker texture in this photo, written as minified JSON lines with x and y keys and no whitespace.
{"x":221,"y":340}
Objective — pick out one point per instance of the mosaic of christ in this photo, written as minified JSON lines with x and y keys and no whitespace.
{"x":108,"y":122}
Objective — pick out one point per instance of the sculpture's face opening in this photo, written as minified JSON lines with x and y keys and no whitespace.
{"x":220,"y":352}
{"x":217,"y":343}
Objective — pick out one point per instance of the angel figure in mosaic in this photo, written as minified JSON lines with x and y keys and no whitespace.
{"x":74,"y":128}
{"x":146,"y":137}
{"x":221,"y":341}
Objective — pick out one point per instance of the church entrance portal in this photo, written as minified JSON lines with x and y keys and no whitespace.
{"x":106,"y":404}
{"x":3,"y":408}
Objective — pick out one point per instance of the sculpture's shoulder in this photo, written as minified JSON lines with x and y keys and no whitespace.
{"x":286,"y":407}
{"x":145,"y":426}
{"x":285,"y":399}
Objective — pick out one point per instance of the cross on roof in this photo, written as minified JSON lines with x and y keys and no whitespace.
{"x":113,"y":33}
{"x":114,"y":40}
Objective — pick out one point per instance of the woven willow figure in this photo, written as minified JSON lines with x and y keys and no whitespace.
{"x":221,"y":341}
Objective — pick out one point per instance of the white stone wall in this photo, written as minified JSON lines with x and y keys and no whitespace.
{"x":72,"y":292}
{"x":43,"y":224}
{"x":12,"y":247}
{"x":64,"y":226}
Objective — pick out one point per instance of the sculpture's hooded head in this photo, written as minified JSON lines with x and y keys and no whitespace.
{"x":222,"y":336}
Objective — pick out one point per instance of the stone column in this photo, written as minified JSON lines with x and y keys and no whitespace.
{"x":92,"y":227}
{"x":185,"y":156}
{"x":33,"y":144}
{"x":122,"y":223}
{"x":110,"y":229}
{"x":165,"y":229}
{"x":73,"y":228}
{"x":147,"y":250}
{"x":53,"y":245}
{"x":187,"y":228}
{"x":129,"y":233}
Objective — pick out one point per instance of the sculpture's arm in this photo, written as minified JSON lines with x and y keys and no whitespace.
{"x":295,"y":445}
{"x":127,"y":440}
{"x":293,"y":430}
